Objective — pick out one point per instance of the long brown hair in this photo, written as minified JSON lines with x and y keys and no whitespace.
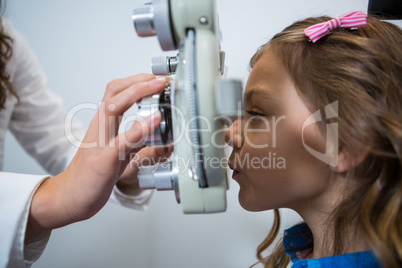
{"x":5,"y":55}
{"x":362,"y":69}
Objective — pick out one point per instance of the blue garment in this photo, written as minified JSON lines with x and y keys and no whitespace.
{"x":298,"y":242}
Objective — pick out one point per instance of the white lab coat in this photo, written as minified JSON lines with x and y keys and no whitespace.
{"x":37,"y":122}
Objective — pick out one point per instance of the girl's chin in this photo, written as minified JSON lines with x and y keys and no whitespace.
{"x":248,"y":204}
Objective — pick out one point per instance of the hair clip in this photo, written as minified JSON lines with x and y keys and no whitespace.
{"x":353,"y":19}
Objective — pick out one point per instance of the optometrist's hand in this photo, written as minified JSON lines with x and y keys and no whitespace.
{"x":85,"y":186}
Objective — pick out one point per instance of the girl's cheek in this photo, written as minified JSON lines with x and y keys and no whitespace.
{"x":312,"y":138}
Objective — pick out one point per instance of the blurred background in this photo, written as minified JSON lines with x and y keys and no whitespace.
{"x":82,"y":45}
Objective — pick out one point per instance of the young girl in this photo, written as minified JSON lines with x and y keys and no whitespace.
{"x":328,"y":102}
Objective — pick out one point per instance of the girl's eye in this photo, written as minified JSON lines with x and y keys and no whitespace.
{"x":254,"y":114}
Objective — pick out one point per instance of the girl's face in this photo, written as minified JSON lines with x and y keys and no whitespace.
{"x":269,"y":158}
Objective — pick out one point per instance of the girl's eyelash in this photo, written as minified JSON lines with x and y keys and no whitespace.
{"x":252,"y":113}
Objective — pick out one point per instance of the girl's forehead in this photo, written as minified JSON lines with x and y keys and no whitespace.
{"x":268,"y":70}
{"x":268,"y":64}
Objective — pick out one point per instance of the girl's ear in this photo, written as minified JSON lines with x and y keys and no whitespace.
{"x":347,"y":160}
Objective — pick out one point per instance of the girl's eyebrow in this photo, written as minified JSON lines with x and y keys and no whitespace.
{"x":258,"y":93}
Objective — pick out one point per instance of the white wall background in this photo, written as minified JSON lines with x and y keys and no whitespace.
{"x":84,"y":44}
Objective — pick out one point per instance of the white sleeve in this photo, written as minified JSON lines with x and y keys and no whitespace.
{"x":38,"y":120}
{"x":138,"y":202}
{"x":16,"y":193}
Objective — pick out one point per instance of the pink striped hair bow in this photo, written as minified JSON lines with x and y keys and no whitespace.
{"x":349,"y":20}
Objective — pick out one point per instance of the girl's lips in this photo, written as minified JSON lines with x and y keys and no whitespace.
{"x":235,"y":171}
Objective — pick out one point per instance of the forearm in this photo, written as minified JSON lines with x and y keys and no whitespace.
{"x":65,"y":199}
{"x":45,"y":212}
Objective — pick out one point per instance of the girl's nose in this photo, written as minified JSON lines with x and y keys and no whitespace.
{"x":233,"y":136}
